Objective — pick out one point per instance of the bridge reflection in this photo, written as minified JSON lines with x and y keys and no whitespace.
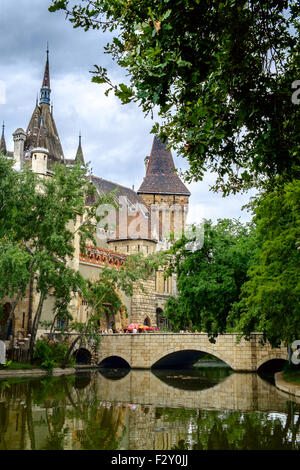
{"x":234,"y":391}
{"x":192,"y":379}
{"x":114,"y":374}
{"x":145,"y":410}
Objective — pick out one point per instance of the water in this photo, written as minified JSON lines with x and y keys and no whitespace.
{"x":208,"y":408}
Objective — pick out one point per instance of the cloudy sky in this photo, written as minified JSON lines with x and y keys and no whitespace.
{"x":115,"y":138}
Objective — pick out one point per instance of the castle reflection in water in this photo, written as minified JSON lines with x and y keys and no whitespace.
{"x":209,"y":408}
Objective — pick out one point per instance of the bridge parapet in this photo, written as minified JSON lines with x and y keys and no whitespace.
{"x":142,"y":351}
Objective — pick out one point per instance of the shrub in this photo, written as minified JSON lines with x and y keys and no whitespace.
{"x":47,"y":355}
{"x":42,"y":352}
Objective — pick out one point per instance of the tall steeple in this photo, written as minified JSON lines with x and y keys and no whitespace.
{"x":46,"y":90}
{"x":79,"y":154}
{"x":161,"y":176}
{"x":3,"y":148}
{"x":42,"y":117}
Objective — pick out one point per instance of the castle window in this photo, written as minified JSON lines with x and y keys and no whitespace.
{"x":127,"y":248}
{"x":60,"y":324}
{"x":138,"y":247}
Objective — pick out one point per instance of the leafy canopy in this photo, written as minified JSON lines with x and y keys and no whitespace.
{"x":220,"y":73}
{"x":270,"y":301}
{"x":40,"y":219}
{"x":209,"y":280}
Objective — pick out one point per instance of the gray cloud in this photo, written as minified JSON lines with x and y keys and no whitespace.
{"x":115,"y":138}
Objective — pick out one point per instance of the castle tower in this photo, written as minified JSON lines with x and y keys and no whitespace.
{"x":166,"y":198}
{"x":164,"y":194}
{"x":43,"y":117}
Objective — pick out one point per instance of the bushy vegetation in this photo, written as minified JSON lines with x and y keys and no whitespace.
{"x":50,"y":354}
{"x":244,"y":278}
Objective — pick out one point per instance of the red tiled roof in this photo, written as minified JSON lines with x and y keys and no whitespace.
{"x":102,"y":257}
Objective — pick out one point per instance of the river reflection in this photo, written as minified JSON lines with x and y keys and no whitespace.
{"x":209,"y":408}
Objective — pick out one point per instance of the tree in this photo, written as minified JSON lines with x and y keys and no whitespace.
{"x":270,"y":298}
{"x":40,"y":219}
{"x":209,"y":280}
{"x":223,"y":76}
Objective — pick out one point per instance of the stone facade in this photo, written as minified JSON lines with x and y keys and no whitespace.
{"x":137,"y":226}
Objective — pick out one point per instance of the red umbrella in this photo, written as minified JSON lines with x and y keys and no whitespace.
{"x":133,"y":326}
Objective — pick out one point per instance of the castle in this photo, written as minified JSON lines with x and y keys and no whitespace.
{"x":140,"y":223}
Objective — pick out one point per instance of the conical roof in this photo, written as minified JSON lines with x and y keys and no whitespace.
{"x":42,"y":118}
{"x":41,"y":141}
{"x":161,"y":176}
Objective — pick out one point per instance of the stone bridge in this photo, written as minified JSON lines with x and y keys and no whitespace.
{"x":169,"y":350}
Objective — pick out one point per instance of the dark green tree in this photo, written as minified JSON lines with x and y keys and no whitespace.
{"x":270,"y":301}
{"x":210,"y":279}
{"x":40,"y":220}
{"x":222,"y":75}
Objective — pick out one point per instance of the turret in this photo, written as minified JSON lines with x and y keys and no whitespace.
{"x":19,"y":137}
{"x":39,"y":158}
{"x":39,"y":154}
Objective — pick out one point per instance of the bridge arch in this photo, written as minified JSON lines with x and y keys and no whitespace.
{"x":192,"y":354}
{"x":83,"y":356}
{"x":271,"y":357}
{"x":113,"y":362}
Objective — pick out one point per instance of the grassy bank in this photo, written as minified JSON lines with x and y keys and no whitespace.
{"x":291,"y":373}
{"x":17,"y":366}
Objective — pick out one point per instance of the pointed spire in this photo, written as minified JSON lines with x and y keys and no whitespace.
{"x":161,"y":177}
{"x":45,"y":90}
{"x":79,"y":154}
{"x":3,"y":148}
{"x":46,"y":80}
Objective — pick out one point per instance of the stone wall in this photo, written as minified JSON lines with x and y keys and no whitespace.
{"x":143,"y":303}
